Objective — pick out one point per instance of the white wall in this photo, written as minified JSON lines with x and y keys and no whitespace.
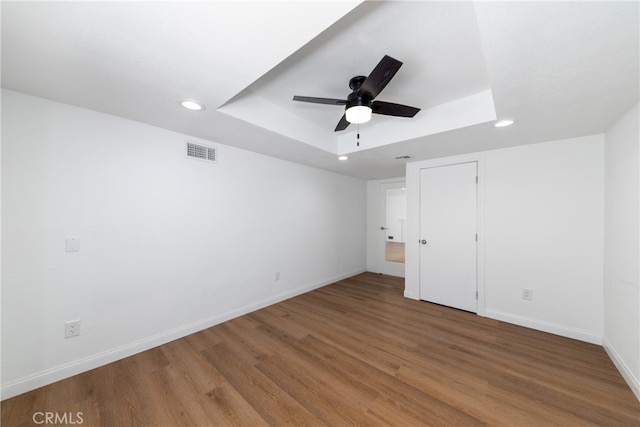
{"x":622,"y":255}
{"x":544,"y":231}
{"x":373,"y":226}
{"x":168,"y":245}
{"x":542,"y":206}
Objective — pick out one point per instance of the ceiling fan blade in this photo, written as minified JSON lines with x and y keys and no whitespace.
{"x":342,"y":124}
{"x":379,"y":77}
{"x":329,"y":101}
{"x":391,"y":109}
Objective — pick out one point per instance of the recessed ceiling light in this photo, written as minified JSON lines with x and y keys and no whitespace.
{"x":503,"y":123}
{"x":343,"y":158}
{"x":192,"y":105}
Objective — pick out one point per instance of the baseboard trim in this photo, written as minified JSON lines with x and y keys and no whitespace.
{"x":632,"y":381}
{"x":544,"y":326}
{"x":410,"y":295}
{"x":49,"y":376}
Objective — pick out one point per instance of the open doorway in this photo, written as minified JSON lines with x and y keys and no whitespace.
{"x":395,"y":216}
{"x":393,"y":209}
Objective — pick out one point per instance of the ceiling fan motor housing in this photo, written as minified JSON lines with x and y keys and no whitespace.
{"x":356,"y":82}
{"x":354,"y":99}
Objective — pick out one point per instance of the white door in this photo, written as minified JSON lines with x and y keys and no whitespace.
{"x":448,"y":240}
{"x":393,"y":208}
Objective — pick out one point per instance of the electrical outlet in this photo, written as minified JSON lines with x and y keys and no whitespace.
{"x":277,"y":276}
{"x":527,"y":294}
{"x":72,"y":328}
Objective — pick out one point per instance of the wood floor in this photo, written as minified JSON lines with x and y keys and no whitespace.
{"x":352,"y":353}
{"x":394,"y":252}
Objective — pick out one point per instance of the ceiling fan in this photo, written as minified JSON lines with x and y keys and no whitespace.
{"x":360,"y":103}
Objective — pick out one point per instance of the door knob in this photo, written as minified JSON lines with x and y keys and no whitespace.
{"x":383,"y":228}
{"x":423,"y":241}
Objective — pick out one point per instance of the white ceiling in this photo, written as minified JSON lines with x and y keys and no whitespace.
{"x":560,"y":69}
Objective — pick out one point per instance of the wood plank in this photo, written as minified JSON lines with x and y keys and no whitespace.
{"x":273,"y":404}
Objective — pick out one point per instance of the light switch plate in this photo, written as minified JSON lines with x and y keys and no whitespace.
{"x":72,"y":244}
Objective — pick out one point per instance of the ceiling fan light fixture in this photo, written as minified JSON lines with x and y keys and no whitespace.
{"x":358,"y":114}
{"x":360,"y":103}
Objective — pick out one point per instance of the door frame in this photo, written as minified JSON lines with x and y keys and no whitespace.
{"x":412,"y":248}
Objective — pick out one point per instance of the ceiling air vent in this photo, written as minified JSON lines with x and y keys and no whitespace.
{"x":202,"y":152}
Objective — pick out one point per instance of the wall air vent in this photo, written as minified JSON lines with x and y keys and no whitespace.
{"x":202,"y":152}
